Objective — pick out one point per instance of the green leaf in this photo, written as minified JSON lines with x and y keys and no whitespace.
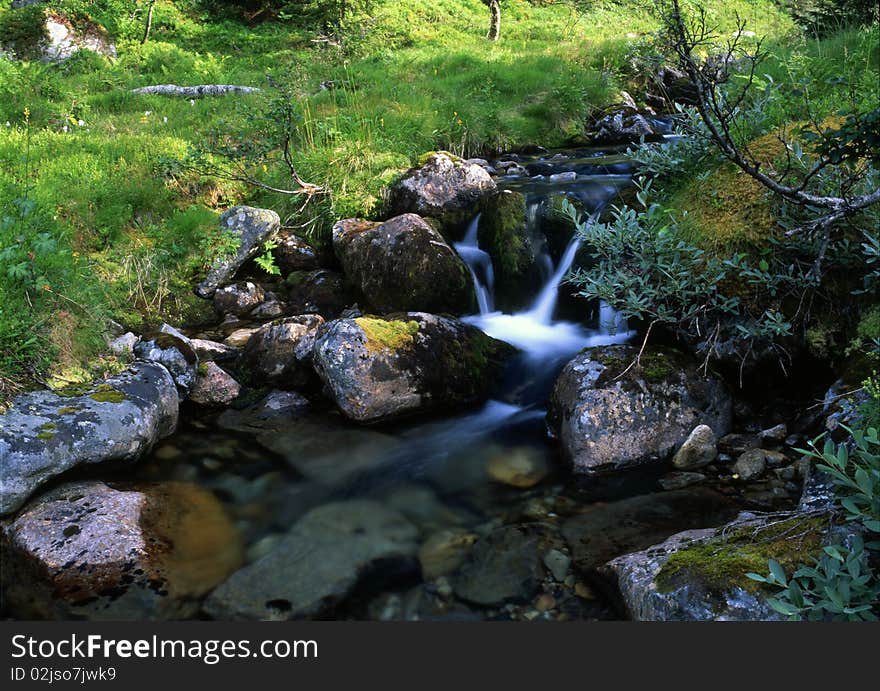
{"x":777,"y":572}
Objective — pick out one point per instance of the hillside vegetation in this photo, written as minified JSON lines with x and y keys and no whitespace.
{"x":100,"y":220}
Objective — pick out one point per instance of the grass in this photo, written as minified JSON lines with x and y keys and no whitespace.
{"x":116,"y":232}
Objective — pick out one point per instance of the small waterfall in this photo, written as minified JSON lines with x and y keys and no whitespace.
{"x":479,"y":263}
{"x":542,"y":310}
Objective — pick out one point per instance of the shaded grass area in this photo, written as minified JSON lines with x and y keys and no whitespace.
{"x":97,"y":224}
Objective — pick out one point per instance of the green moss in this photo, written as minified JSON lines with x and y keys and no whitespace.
{"x":387,"y":335}
{"x":48,"y":426}
{"x":69,"y":409}
{"x":297,"y":278}
{"x":73,"y":391}
{"x":111,"y":396}
{"x":46,"y":435}
{"x":502,"y":232}
{"x":423,"y":159}
{"x":722,"y":563}
{"x":203,"y":368}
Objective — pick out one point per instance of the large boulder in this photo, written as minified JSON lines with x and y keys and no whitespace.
{"x":700,"y":575}
{"x":46,"y":433}
{"x":280,"y":353}
{"x":321,"y":292}
{"x":445,"y":188}
{"x":403,"y":264}
{"x":249,"y":229}
{"x":86,"y":550}
{"x":238,"y":298}
{"x":381,"y":368}
{"x":516,"y":247}
{"x":318,"y":563}
{"x":292,"y":253}
{"x":607,"y":418}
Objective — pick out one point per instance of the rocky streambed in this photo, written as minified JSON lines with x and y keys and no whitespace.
{"x":424,"y":424}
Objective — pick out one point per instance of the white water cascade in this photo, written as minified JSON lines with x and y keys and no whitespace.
{"x":533,"y":330}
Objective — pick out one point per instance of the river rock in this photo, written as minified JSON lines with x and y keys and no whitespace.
{"x":86,"y":550}
{"x":292,"y":253}
{"x":750,"y":465}
{"x":698,"y":449}
{"x":680,"y":480}
{"x":377,"y":369}
{"x":444,"y":551}
{"x":775,"y":435}
{"x":321,"y":292}
{"x":445,"y":188}
{"x":318,"y":563}
{"x":174,"y":354}
{"x":250,"y":228}
{"x":515,"y":246}
{"x":238,"y":298}
{"x":273,"y":412}
{"x":46,"y":433}
{"x":699,"y":575}
{"x":521,"y":467}
{"x":735,"y":444}
{"x":403,"y":264}
{"x":211,"y":350}
{"x":605,"y":421}
{"x":557,"y":563}
{"x":504,"y":566}
{"x":280,"y":352}
{"x":239,"y":338}
{"x":214,"y":386}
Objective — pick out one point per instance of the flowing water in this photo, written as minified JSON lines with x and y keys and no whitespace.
{"x":271,"y":467}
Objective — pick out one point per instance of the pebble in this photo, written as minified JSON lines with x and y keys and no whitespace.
{"x":557,"y":564}
{"x":545,"y":602}
{"x":583,"y":591}
{"x":520,"y":467}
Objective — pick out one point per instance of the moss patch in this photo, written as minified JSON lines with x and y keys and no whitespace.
{"x":722,"y":563}
{"x":68,"y":409}
{"x":109,"y":396}
{"x":387,"y":335}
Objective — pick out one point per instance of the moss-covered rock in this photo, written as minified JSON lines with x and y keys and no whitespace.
{"x":382,"y":368}
{"x":701,"y":574}
{"x":442,"y":187}
{"x":403,"y":264}
{"x":609,"y":415}
{"x":515,"y":247}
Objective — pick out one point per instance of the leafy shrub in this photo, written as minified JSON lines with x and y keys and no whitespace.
{"x":822,"y":16}
{"x":842,"y":583}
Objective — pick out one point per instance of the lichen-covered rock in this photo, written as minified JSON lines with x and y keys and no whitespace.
{"x":250,"y":228}
{"x":124,"y":344}
{"x":444,"y":188}
{"x":292,"y":253}
{"x":377,"y":369}
{"x":515,"y":246}
{"x":238,"y":298}
{"x":605,"y":421}
{"x":211,"y":350}
{"x":280,"y":353}
{"x":698,"y":450}
{"x":403,"y":264}
{"x":33,"y":33}
{"x":86,"y":550}
{"x":46,"y":433}
{"x":214,"y":386}
{"x":172,"y":352}
{"x":321,"y":292}
{"x":318,"y":563}
{"x":700,"y":575}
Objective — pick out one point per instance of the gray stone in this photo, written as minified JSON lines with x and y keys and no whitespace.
{"x":275,"y":411}
{"x":606,"y":422}
{"x":750,"y":465}
{"x":251,"y":228}
{"x":45,"y":433}
{"x":238,"y":298}
{"x":86,"y":550}
{"x":775,"y":434}
{"x":211,"y":350}
{"x":292,"y":253}
{"x":123,"y":345}
{"x":445,"y":188}
{"x":557,"y":564}
{"x":698,"y":449}
{"x":174,"y":354}
{"x":403,"y":264}
{"x":318,"y":563}
{"x":504,"y":566}
{"x":280,"y":353}
{"x":377,"y":369}
{"x":680,"y":480}
{"x":214,"y":386}
{"x":444,"y":551}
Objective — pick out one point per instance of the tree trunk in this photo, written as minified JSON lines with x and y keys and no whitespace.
{"x":149,"y":24}
{"x":495,"y":20}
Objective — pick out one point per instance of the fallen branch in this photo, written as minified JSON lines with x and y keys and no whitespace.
{"x":195,"y":91}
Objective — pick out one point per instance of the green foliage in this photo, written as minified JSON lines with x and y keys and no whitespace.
{"x":23,"y":30}
{"x":842,"y":582}
{"x":822,"y":16}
